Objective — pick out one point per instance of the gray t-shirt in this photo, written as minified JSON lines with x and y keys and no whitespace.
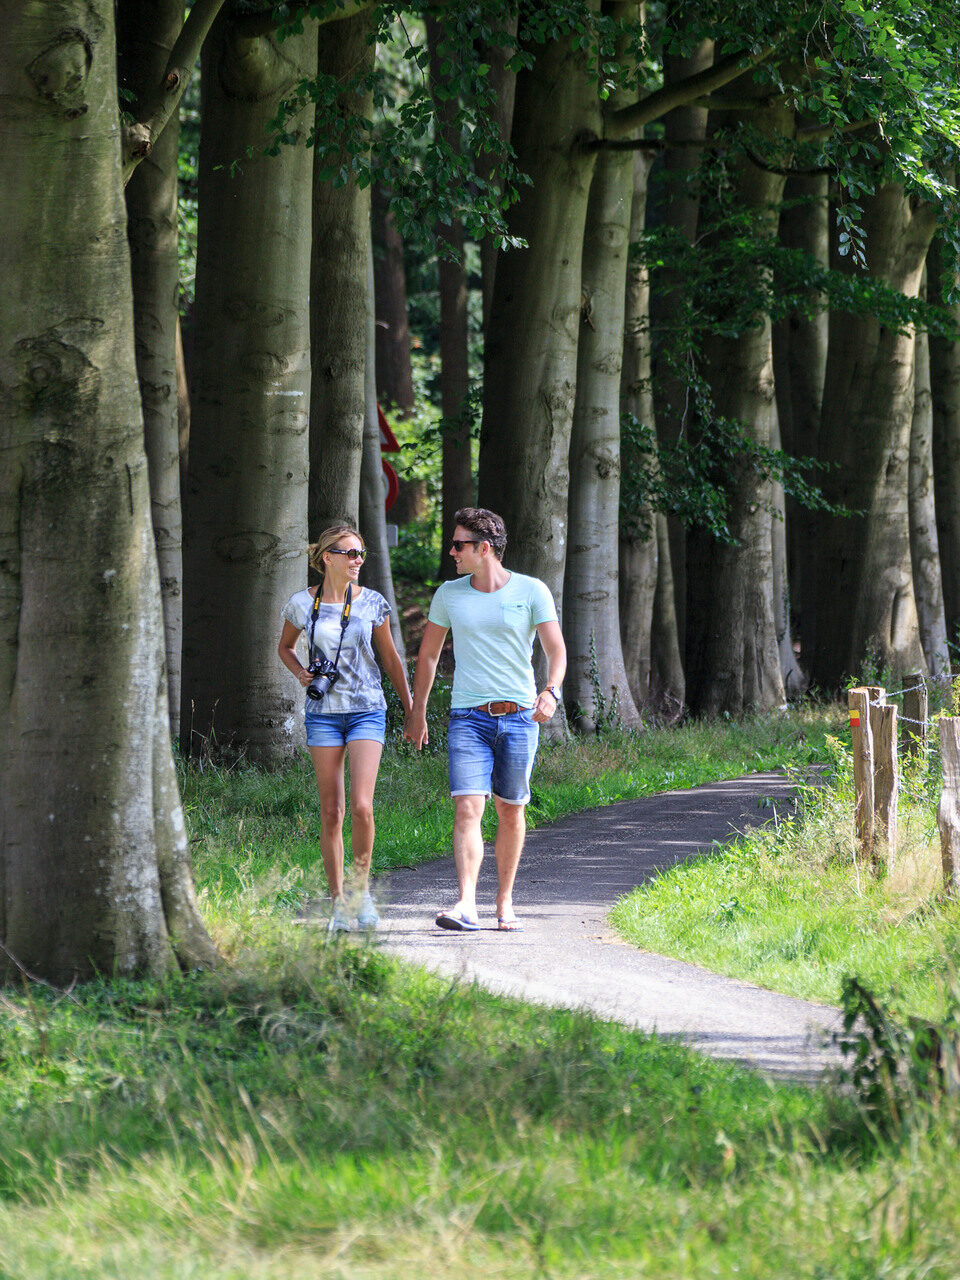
{"x":359,"y":687}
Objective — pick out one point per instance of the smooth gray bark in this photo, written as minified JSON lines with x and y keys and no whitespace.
{"x":146,"y":35}
{"x":924,"y":549}
{"x":531,"y":349}
{"x":595,"y":667}
{"x":800,"y":362}
{"x":394,"y":369}
{"x":794,"y":679}
{"x":94,"y":868}
{"x":503,"y":82}
{"x":457,"y":486}
{"x":733,"y":662}
{"x":377,"y":572}
{"x":247,"y":483}
{"x":867,"y":607}
{"x":338,"y":305}
{"x":945,"y":389}
{"x":648,"y":618}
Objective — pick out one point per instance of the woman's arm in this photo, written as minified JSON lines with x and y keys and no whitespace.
{"x":287,"y":649}
{"x":392,"y":663}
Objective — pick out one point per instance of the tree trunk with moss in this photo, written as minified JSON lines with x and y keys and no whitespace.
{"x":247,"y":484}
{"x":338,"y":303}
{"x":94,"y":868}
{"x":867,"y":608}
{"x":145,"y":37}
{"x":393,"y":342}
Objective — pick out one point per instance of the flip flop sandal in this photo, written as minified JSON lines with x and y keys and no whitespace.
{"x":455,"y":920}
{"x":509,"y":926}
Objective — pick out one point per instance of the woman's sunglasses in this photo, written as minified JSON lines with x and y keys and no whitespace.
{"x":352,"y":553}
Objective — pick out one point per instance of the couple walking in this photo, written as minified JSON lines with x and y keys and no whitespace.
{"x":495,"y":716}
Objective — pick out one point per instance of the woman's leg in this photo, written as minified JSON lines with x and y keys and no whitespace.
{"x":328,"y":766}
{"x":364,"y":765}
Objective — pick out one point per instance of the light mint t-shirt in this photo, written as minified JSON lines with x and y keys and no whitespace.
{"x":493,"y":634}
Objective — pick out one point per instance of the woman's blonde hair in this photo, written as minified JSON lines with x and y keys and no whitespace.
{"x":329,"y":538}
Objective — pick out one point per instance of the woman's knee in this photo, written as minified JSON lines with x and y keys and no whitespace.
{"x":361,"y":810}
{"x":332,"y":813}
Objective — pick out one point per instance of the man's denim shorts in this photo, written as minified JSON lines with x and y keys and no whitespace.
{"x":492,"y":754}
{"x":336,"y":729}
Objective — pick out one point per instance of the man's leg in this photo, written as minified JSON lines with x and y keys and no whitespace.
{"x":515,"y":749}
{"x":511,"y":829}
{"x":467,"y":851}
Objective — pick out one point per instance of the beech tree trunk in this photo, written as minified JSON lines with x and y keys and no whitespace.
{"x":866,"y":605}
{"x":246,"y":490}
{"x":680,"y":208}
{"x":648,"y":618}
{"x":338,"y":304}
{"x":733,"y":665}
{"x":377,"y":571}
{"x":503,"y":82}
{"x":924,"y":549}
{"x":794,"y":680}
{"x":945,"y":389}
{"x":146,"y":35}
{"x":531,"y":348}
{"x":94,"y":869}
{"x":394,"y":371}
{"x":457,"y":489}
{"x":800,"y":361}
{"x":596,"y":685}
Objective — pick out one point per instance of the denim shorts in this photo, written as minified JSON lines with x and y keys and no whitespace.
{"x":335,"y":728}
{"x":492,"y":754}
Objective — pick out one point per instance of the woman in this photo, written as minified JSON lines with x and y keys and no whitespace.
{"x":351,"y":717}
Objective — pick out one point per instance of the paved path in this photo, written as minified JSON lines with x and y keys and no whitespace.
{"x":570,"y":875}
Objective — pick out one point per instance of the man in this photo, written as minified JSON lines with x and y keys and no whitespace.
{"x":495,"y":709}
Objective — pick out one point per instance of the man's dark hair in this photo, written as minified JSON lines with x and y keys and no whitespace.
{"x":486,"y":525}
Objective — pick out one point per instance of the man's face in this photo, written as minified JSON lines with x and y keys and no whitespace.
{"x":468,"y":558}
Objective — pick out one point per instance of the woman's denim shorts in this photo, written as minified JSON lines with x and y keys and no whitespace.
{"x":336,"y":729}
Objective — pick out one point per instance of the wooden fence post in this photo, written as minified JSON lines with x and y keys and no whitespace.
{"x":948,"y":812}
{"x":913,"y":726}
{"x":886,"y":783}
{"x":858,"y":701}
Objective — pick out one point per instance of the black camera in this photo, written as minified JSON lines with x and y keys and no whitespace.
{"x":325,"y":675}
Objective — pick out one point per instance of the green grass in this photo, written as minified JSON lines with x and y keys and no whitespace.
{"x":315,"y":1110}
{"x":794,"y":909}
{"x":256,"y":830}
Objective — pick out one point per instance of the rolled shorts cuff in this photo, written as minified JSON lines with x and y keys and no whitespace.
{"x":492,"y":755}
{"x":337,"y":728}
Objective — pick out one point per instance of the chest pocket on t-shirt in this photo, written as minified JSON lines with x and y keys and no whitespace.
{"x":514,"y":615}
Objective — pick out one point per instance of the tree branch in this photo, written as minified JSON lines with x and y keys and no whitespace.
{"x":138,"y":138}
{"x":265,"y":23}
{"x":629,"y":119}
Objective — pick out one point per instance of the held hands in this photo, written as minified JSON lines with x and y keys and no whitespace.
{"x":415,"y":729}
{"x":544,"y":707}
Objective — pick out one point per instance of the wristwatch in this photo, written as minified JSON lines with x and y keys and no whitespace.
{"x":555,"y":690}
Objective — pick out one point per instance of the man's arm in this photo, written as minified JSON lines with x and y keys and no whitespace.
{"x":415,"y":728}
{"x":551,"y":637}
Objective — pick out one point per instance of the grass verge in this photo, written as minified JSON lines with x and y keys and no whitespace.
{"x":317,"y":1111}
{"x":794,"y":908}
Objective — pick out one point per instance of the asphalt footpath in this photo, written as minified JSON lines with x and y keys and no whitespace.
{"x":571,"y":873}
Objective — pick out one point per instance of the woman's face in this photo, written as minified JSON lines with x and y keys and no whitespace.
{"x":343,"y":564}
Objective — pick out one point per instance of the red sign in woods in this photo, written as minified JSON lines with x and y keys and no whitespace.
{"x":388,"y":444}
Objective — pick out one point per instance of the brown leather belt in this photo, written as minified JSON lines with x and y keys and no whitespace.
{"x":501,"y":708}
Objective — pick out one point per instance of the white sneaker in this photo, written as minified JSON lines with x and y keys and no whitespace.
{"x":339,"y":920}
{"x":367,"y":917}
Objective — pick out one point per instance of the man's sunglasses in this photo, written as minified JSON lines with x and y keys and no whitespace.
{"x":459,"y":543}
{"x":352,"y":553}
